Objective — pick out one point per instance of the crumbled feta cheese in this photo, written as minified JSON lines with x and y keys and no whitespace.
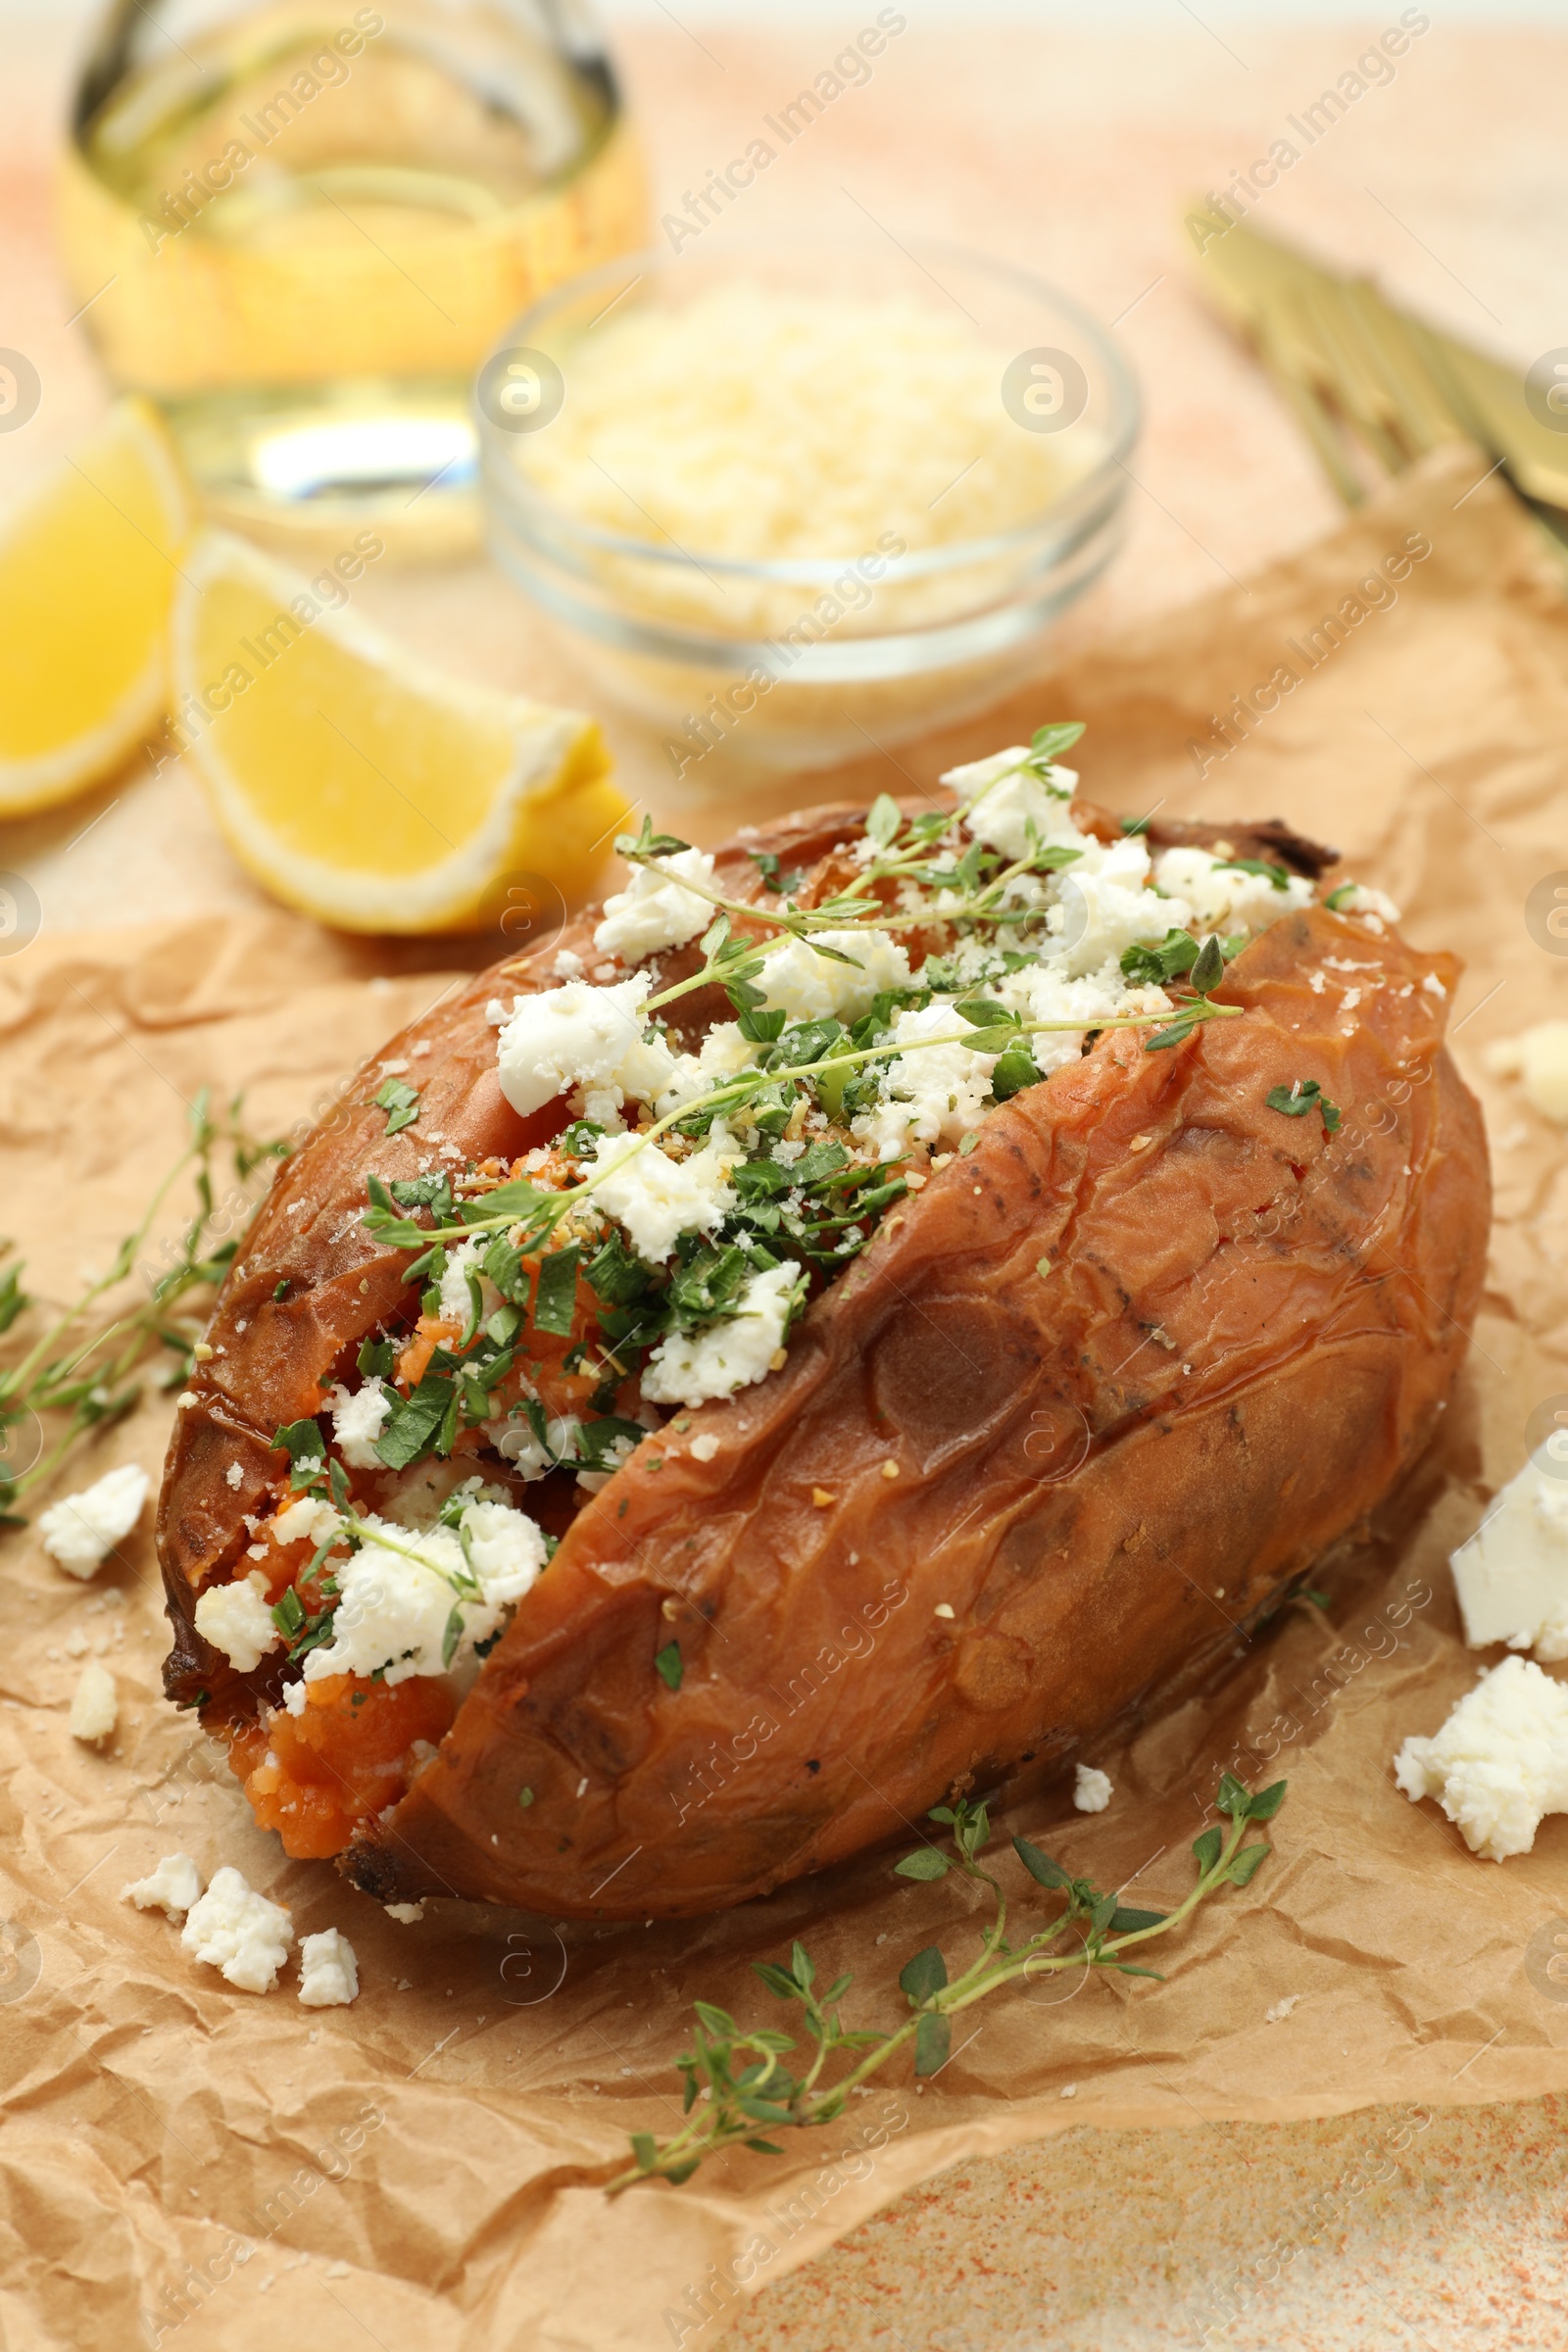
{"x":456,"y":1303}
{"x":396,"y":1605}
{"x":1000,"y":797}
{"x":237,"y":1619}
{"x":1539,"y":1059}
{"x":1359,"y":897}
{"x":704,"y":1447}
{"x":574,"y":1035}
{"x":235,"y":1930}
{"x":406,"y":1914}
{"x":360,"y":1415}
{"x":656,"y":1198}
{"x":938,"y":1091}
{"x":506,"y":1547}
{"x":1512,"y":1575}
{"x":172,"y":1887}
{"x":653,"y":911}
{"x":1499,"y":1764}
{"x":807,"y":987}
{"x":689,"y":1369}
{"x":1223,"y":900}
{"x":305,"y":1520}
{"x":1091,"y":1790}
{"x":95,"y":1708}
{"x":568,"y":964}
{"x":295,"y":1699}
{"x":1433,"y":988}
{"x":329,"y":1978}
{"x":234,"y":1477}
{"x":1280,"y":2010}
{"x":82,"y":1530}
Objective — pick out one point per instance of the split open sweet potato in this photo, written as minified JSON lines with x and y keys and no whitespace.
{"x":1085,"y":1405}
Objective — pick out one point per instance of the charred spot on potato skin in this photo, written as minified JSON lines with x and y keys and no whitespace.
{"x":813,"y":1763}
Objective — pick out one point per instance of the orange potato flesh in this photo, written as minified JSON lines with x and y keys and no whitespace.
{"x":1099,"y":1473}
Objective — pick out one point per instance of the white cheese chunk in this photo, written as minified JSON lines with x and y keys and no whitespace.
{"x":95,"y":1708}
{"x":807,"y":987}
{"x":574,"y":1035}
{"x":237,"y":1619}
{"x":1001,"y":798}
{"x":238,"y":1931}
{"x":172,"y":1887}
{"x":658,"y":1198}
{"x":1499,"y":1764}
{"x":359,"y":1416}
{"x":82,"y":1530}
{"x":1091,"y":1790}
{"x":1512,"y":1575}
{"x":329,"y":1975}
{"x":933,"y":1095}
{"x":1223,"y":900}
{"x":653,"y":911}
{"x":1539,"y":1059}
{"x":690,"y":1368}
{"x":396,"y":1607}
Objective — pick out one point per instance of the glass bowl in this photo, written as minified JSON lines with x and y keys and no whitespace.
{"x":749,"y":659}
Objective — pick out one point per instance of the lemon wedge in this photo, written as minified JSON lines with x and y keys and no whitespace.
{"x":359,"y":784}
{"x":88,"y":575}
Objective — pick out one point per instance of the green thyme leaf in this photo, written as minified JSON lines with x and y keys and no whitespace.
{"x":400,"y":1102}
{"x":525,"y":1797}
{"x":926,"y":1862}
{"x":1208,"y":1847}
{"x":1267,"y":1802}
{"x":451,"y":1635}
{"x":1048,"y":743}
{"x":1209,"y":971}
{"x":1294,"y":1102}
{"x":668,"y":1666}
{"x":1246,"y":1864}
{"x":1040,"y":1866}
{"x":924,"y":1975}
{"x":1341,"y":897}
{"x":1128,"y":1922}
{"x":883,"y":819}
{"x":1233,"y":1797}
{"x":932,"y":2038}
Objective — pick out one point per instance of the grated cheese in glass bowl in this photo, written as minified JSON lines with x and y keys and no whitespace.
{"x":799,"y":491}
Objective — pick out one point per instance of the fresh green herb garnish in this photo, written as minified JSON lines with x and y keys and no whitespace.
{"x":737,"y":2086}
{"x":669,"y":1665}
{"x":1304,"y":1096}
{"x":400,"y":1102}
{"x":1339,"y":898}
{"x":72,"y":1384}
{"x":1276,"y":875}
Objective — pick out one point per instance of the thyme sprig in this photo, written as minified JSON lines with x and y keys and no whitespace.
{"x":88,"y":1379}
{"x":737,"y":2086}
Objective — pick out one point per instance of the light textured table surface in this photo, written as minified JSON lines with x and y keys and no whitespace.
{"x":1070,"y":151}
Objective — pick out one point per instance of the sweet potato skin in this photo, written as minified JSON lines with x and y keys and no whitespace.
{"x":1095,"y":1473}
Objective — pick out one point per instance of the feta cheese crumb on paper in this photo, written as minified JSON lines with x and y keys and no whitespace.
{"x":237,"y":1619}
{"x":239,"y":1933}
{"x":1091,"y":1790}
{"x":329,"y":1977}
{"x":405,"y":1913}
{"x":1282,"y":2009}
{"x":1539,"y":1059}
{"x":172,"y":1887}
{"x":1499,"y":1764}
{"x":358,"y":1417}
{"x":1511,"y":1576}
{"x":653,"y":911}
{"x":693,"y":1367}
{"x":95,"y":1708}
{"x":82,"y":1530}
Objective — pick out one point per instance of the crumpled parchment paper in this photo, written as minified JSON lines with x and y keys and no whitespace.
{"x":186,"y":2164}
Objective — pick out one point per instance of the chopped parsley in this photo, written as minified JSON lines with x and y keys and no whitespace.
{"x":669,"y":1665}
{"x":400,"y":1102}
{"x":1294,"y":1102}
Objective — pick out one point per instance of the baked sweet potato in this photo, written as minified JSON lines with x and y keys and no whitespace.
{"x":1086,"y":1402}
